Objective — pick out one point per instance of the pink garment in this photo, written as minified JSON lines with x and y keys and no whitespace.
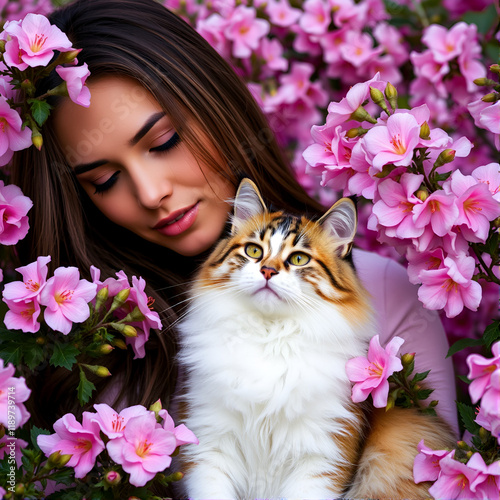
{"x":399,"y":312}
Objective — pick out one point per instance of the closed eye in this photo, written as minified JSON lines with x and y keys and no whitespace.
{"x":171,"y":143}
{"x":101,"y":188}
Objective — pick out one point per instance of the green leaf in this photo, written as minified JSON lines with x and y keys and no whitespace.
{"x":66,"y":476}
{"x":468,"y":416}
{"x":11,"y":353}
{"x":492,"y":333}
{"x":409,"y":369}
{"x":492,"y":243}
{"x":40,"y":110}
{"x":64,"y":355}
{"x":33,"y":356}
{"x":420,"y":376}
{"x":442,"y":177}
{"x":463,"y":344}
{"x":424,"y":393}
{"x":34,"y":433}
{"x":463,"y":378}
{"x":84,"y":389}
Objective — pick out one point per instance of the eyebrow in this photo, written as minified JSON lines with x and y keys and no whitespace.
{"x":153,"y":119}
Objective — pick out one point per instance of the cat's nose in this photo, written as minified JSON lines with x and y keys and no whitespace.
{"x":268,"y":272}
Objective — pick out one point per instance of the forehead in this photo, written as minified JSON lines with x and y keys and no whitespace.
{"x":118,"y":107}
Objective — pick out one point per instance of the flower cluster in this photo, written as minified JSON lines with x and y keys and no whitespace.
{"x":430,"y":213}
{"x":141,"y":441}
{"x":472,"y":470}
{"x":31,"y":49}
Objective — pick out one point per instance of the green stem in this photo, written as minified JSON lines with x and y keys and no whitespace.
{"x":487,"y":269}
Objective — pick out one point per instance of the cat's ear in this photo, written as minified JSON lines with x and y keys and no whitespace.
{"x":341,"y":222}
{"x":247,"y":203}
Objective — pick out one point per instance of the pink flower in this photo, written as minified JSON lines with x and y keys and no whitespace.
{"x":455,"y":480}
{"x":489,"y":175}
{"x":486,"y":484}
{"x":245,"y":31}
{"x":316,"y":17}
{"x":370,"y":374}
{"x":491,"y":422}
{"x":13,"y":390}
{"x":271,"y":52}
{"x":445,"y":45}
{"x":82,"y":441}
{"x":66,"y":298}
{"x":490,"y":401}
{"x":34,"y":278}
{"x":395,"y":208}
{"x":480,"y":370}
{"x":451,"y":287}
{"x":281,"y":13}
{"x":75,"y":77}
{"x":34,"y":39}
{"x":439,"y":210}
{"x":22,"y":315}
{"x":143,"y":450}
{"x":112,"y":423}
{"x":11,"y":446}
{"x":426,"y":465}
{"x":181,"y":433}
{"x":393,"y":142}
{"x":12,"y":136}
{"x":358,"y":49}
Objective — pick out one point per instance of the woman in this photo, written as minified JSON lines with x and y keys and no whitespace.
{"x":140,"y":181}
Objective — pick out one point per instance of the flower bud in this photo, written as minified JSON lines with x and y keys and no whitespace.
{"x":392,"y":95}
{"x":135,"y":315}
{"x":102,"y":296}
{"x":462,"y":445}
{"x":496,"y":222}
{"x":127,"y":330}
{"x":113,"y":478}
{"x":120,"y":343}
{"x":57,"y":460}
{"x":491,"y":97}
{"x":37,"y":139}
{"x":41,"y":340}
{"x":484,"y":82}
{"x":469,"y":454}
{"x":407,"y":359}
{"x":156,"y":406}
{"x":422,"y":194}
{"x":433,"y":403}
{"x":390,"y":403}
{"x":2,"y":46}
{"x":378,"y":98}
{"x":120,"y":299}
{"x":19,"y":489}
{"x":100,"y":371}
{"x":356,"y":132}
{"x":361,"y":115}
{"x":446,"y":156}
{"x":483,"y":434}
{"x":494,"y":68}
{"x":425,"y":131}
{"x":105,"y":349}
{"x":68,"y":57}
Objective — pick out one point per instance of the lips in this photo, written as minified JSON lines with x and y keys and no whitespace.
{"x":178,"y":221}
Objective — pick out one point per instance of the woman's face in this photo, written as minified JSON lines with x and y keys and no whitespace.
{"x":132,"y":164}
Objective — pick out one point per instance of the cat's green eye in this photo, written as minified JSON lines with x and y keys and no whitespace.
{"x":253,"y":251}
{"x":299,"y":259}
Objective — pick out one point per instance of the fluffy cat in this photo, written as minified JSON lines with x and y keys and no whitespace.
{"x":276,"y":312}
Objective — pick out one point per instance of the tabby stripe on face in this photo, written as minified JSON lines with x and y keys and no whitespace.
{"x":333,"y":280}
{"x":223,"y":258}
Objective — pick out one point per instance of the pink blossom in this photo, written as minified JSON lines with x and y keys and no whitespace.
{"x":455,"y":480}
{"x":34,"y":279}
{"x":13,"y":209}
{"x":212,"y":30}
{"x":271,"y":52}
{"x":490,"y":401}
{"x":428,"y":69}
{"x":393,"y":43}
{"x":297,"y":84}
{"x":358,"y":49}
{"x":486,"y":484}
{"x":419,"y":261}
{"x":490,"y":421}
{"x":181,"y":433}
{"x":66,"y":297}
{"x":22,"y":315}
{"x":12,"y":135}
{"x":393,"y":142}
{"x":383,"y":64}
{"x":370,"y":374}
{"x":245,"y":31}
{"x":35,"y":40}
{"x":480,"y":370}
{"x":489,"y":118}
{"x":451,"y":287}
{"x":114,"y":285}
{"x":82,"y":441}
{"x":112,"y":423}
{"x":476,"y":206}
{"x":281,"y":13}
{"x":445,"y":44}
{"x":75,"y":77}
{"x":143,"y":450}
{"x":8,"y":445}
{"x":16,"y":388}
{"x":426,"y":465}
{"x":489,"y":175}
{"x":439,"y":210}
{"x":316,"y":17}
{"x":395,"y":208}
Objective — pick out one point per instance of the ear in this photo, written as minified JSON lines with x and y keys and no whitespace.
{"x":247,"y":204}
{"x":341,"y":222}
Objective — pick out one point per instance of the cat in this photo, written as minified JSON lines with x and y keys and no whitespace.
{"x":275,"y":313}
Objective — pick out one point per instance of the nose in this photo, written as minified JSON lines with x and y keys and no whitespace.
{"x":268,"y":272}
{"x":151,"y":186}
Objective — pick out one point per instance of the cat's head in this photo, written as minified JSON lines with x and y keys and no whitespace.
{"x":278,"y":263}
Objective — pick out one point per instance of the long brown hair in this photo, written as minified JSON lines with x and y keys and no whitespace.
{"x":141,"y":39}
